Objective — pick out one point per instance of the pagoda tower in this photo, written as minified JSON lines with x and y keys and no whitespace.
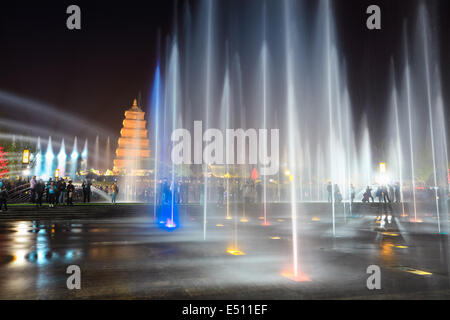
{"x":133,"y":144}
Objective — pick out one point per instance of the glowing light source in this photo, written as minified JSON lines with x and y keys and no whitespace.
{"x":219,"y":225}
{"x":415,"y":271}
{"x":315,"y":219}
{"x":235,"y":252}
{"x":57,"y":173}
{"x":300,"y":277}
{"x":170,"y":224}
{"x":26,"y":156}
{"x":382,"y":167}
{"x":391,"y":234}
{"x":275,"y":238}
{"x":244,"y":219}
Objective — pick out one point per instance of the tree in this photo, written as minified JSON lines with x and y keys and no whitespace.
{"x":3,"y":163}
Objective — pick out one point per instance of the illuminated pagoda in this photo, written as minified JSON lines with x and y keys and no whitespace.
{"x":133,"y":145}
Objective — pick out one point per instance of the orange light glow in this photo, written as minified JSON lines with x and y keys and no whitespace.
{"x":235,"y":252}
{"x":300,"y":277}
{"x":315,"y":219}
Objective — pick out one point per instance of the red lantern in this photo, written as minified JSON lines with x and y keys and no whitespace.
{"x":3,"y":163}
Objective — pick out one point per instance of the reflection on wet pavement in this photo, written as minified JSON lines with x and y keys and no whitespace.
{"x":126,"y":257}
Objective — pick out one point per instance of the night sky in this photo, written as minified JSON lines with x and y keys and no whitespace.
{"x":97,"y":71}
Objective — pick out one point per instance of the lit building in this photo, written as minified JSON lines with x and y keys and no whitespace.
{"x":133,"y":145}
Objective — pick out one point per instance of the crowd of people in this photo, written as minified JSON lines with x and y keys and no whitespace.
{"x":384,"y":193}
{"x":55,"y":192}
{"x":61,"y":191}
{"x":185,"y":191}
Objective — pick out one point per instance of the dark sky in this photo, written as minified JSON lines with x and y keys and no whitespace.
{"x":96,"y":72}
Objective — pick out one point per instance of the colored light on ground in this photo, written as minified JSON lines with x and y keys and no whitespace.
{"x":170,"y":224}
{"x":416,"y":271}
{"x":244,"y":219}
{"x":275,"y":238}
{"x":265,"y":223}
{"x":416,"y":221}
{"x":219,"y":225}
{"x":261,"y":218}
{"x":235,"y":252}
{"x":391,"y":234}
{"x":401,"y":247}
{"x":315,"y":219}
{"x":280,"y":220}
{"x":300,"y":277}
{"x":229,"y":218}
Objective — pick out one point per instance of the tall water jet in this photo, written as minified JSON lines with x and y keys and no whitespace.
{"x":38,"y":159}
{"x":62,"y":156}
{"x":329,"y":76}
{"x":425,"y":37}
{"x":292,"y":135}
{"x":96,"y":153}
{"x":156,"y":105}
{"x":410,"y":122}
{"x":107,"y":158}
{"x":207,"y":102}
{"x":49,"y":156}
{"x":74,"y":159}
{"x":84,"y":156}
{"x":174,"y":100}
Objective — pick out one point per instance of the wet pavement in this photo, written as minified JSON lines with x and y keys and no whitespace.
{"x":124,"y":255}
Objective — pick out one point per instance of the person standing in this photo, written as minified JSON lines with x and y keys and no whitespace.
{"x":330,"y":191}
{"x":57,"y":185}
{"x":40,"y":188}
{"x":51,"y":191}
{"x":86,"y":191}
{"x":70,"y":192}
{"x":49,"y":182}
{"x":352,"y":193}
{"x":115,"y":192}
{"x":369,"y":194}
{"x":62,"y":191}
{"x":33,"y":184}
{"x":397,"y":192}
{"x":220,"y":192}
{"x":379,"y":194}
{"x":386,"y":194}
{"x":3,"y":198}
{"x":337,"y":194}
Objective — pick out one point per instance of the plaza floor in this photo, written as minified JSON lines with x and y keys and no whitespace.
{"x":122,"y":254}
